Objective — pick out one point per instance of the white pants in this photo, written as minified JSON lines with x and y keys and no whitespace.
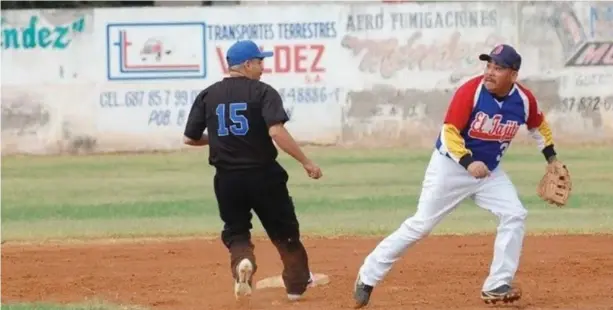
{"x":445,"y":185}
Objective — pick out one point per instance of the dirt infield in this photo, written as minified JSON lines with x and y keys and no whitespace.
{"x":557,"y":272}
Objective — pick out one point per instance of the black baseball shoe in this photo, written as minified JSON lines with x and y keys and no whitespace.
{"x":296,"y":297}
{"x":504,"y":293}
{"x":361,"y":293}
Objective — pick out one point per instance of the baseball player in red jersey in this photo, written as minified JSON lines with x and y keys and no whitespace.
{"x":484,"y":115}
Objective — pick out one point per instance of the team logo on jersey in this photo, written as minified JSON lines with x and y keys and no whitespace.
{"x":492,"y":128}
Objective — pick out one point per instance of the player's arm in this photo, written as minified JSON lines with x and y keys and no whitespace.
{"x":196,"y":123}
{"x":275,"y":117}
{"x":539,"y":129}
{"x":456,"y":120}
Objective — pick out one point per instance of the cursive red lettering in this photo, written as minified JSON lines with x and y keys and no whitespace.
{"x":477,"y":124}
{"x":492,"y":129}
{"x":388,"y":56}
{"x":496,"y":127}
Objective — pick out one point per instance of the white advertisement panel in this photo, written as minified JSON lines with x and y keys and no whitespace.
{"x":401,"y":64}
{"x":157,"y":63}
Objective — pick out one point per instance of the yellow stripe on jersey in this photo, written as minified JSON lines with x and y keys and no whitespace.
{"x":453,"y":142}
{"x":542,"y":134}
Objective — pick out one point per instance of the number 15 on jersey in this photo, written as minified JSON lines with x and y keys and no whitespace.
{"x":240,"y":123}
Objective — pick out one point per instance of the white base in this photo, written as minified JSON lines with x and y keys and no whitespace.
{"x":277,"y":281}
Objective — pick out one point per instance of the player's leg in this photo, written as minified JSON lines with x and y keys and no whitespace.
{"x":445,"y":185}
{"x":498,"y":195}
{"x":275,"y":208}
{"x":235,"y":212}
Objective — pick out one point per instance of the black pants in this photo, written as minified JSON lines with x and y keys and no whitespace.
{"x":263,"y":190}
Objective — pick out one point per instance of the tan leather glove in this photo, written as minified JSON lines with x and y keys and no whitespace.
{"x":555,"y":186}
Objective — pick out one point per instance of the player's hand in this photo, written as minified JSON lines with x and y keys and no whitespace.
{"x":478,"y":169}
{"x":313,"y":171}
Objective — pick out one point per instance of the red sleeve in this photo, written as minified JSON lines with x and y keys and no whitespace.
{"x":462,"y":103}
{"x":535,"y":116}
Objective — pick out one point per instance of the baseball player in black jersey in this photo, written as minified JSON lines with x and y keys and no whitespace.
{"x":244,"y":116}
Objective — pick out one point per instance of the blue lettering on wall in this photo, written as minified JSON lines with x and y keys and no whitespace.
{"x":241,"y":32}
{"x":448,"y":19}
{"x":33,"y":35}
{"x":285,"y":31}
{"x":421,"y":20}
{"x":363,"y":22}
{"x":309,"y":95}
{"x":316,"y":30}
{"x":165,"y":107}
{"x":159,"y":117}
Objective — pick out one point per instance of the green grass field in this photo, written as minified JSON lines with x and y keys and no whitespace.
{"x":362,"y":192}
{"x":82,"y":306}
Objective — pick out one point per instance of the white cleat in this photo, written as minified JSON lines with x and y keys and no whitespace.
{"x":296,"y":297}
{"x":242,"y":286}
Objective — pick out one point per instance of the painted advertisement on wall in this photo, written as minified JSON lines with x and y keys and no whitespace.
{"x":115,"y":80}
{"x":46,"y":61}
{"x":404,"y":61}
{"x":46,"y":46}
{"x":156,"y":51}
{"x":410,"y":59}
{"x":158,"y":63}
{"x":303,"y":68}
{"x":572,"y":43}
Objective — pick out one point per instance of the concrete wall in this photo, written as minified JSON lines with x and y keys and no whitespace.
{"x":367,"y":73}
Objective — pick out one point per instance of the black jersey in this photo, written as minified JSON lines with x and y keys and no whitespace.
{"x":237,"y":112}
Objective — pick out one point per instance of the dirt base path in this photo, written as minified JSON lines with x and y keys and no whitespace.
{"x":560,"y":272}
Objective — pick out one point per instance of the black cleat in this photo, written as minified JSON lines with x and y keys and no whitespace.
{"x":504,"y":293}
{"x":361,"y":293}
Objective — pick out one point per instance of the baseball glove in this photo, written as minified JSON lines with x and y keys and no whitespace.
{"x":556,"y":185}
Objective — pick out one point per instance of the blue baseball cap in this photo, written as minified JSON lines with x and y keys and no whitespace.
{"x":503,"y":55}
{"x":242,"y":51}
